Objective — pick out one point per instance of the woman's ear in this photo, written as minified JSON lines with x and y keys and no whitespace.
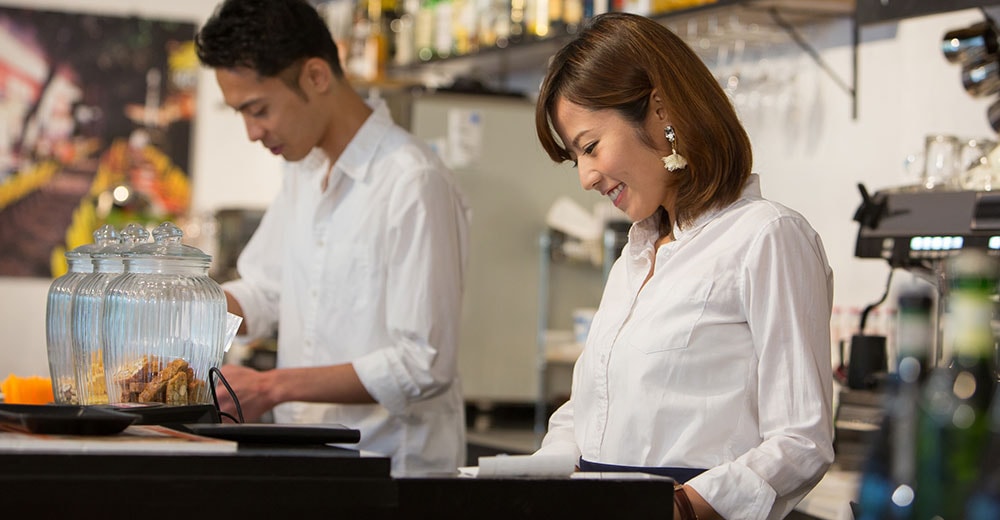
{"x":656,"y":106}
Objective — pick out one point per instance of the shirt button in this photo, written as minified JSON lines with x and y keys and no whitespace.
{"x":314,"y":293}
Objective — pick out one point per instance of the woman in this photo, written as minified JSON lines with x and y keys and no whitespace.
{"x":708,"y":359}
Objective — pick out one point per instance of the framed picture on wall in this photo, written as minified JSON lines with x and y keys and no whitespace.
{"x":95,"y":128}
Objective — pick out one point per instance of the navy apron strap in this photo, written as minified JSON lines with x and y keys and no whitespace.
{"x":681,"y":475}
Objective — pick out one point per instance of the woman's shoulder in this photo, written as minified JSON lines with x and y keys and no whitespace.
{"x":762,"y":210}
{"x":751,"y":219}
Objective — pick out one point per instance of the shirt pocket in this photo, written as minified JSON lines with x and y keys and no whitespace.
{"x":350,"y":275}
{"x":666,"y":322}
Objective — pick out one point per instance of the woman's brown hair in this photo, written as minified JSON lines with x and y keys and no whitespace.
{"x":616,"y":62}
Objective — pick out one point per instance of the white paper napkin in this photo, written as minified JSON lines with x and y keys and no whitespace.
{"x":527,"y":466}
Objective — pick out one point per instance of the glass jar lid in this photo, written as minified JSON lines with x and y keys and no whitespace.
{"x":103,"y":237}
{"x":130,"y":238}
{"x":167,"y":245}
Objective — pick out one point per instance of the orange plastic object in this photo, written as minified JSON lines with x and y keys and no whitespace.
{"x":27,"y":390}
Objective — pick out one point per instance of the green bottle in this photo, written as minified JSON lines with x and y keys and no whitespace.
{"x":953,"y":424}
{"x":888,"y":481}
{"x":984,"y":503}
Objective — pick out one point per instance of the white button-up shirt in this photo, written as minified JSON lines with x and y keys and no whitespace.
{"x":369,"y":271}
{"x":722,"y":360}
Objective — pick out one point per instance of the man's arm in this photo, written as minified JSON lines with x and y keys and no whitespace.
{"x":260,"y":391}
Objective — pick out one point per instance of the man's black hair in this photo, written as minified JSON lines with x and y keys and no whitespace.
{"x":267,"y":36}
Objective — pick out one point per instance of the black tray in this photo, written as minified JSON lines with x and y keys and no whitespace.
{"x":270,"y":433}
{"x":63,"y":419}
{"x":159,"y":413}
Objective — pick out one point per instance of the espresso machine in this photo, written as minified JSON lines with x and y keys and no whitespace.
{"x":916,"y":230}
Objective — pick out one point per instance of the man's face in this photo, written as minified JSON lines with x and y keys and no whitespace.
{"x":275,"y":114}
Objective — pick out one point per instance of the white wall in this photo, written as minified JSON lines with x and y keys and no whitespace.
{"x":810,"y":159}
{"x":906,"y":90}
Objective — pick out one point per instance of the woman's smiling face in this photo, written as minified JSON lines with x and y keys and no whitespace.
{"x":612,"y":159}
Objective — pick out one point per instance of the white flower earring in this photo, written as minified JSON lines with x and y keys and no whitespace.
{"x":674,"y":161}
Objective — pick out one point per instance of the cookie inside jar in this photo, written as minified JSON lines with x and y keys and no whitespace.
{"x":150,"y":379}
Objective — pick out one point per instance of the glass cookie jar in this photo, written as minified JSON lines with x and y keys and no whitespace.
{"x":165,"y":322}
{"x":59,"y":318}
{"x":88,"y":310}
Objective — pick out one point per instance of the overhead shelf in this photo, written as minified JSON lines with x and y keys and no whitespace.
{"x":878,"y":11}
{"x":756,"y":21}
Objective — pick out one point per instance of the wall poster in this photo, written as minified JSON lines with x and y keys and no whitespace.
{"x":95,"y":128}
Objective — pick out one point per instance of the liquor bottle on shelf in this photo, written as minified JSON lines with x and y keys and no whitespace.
{"x":556,"y":17}
{"x":443,"y":36}
{"x":953,"y":422}
{"x":404,"y":49}
{"x":536,"y":18}
{"x":518,"y":20}
{"x":392,"y":12}
{"x":984,"y":503}
{"x":423,"y":30}
{"x":368,"y":52}
{"x":888,"y":482}
{"x":486,"y":22}
{"x":464,"y":27}
{"x":502,"y":22}
{"x":572,"y":15}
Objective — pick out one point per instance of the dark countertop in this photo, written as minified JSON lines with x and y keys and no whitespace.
{"x":302,"y":482}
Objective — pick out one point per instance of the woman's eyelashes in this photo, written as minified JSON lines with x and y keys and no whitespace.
{"x":587,"y":150}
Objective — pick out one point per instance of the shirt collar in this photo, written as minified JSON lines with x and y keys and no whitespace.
{"x":646,"y":232}
{"x":357,"y":157}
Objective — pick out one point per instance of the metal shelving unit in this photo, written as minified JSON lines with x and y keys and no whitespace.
{"x":550,"y":244}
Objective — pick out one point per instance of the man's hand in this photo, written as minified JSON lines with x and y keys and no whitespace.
{"x":251,"y":387}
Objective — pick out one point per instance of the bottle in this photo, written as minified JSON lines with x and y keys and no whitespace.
{"x":463,"y":27}
{"x":914,"y":335}
{"x":953,"y":422}
{"x":404,"y":51}
{"x":573,"y":14}
{"x":888,"y":482}
{"x":423,"y":30}
{"x":487,"y":13}
{"x":502,"y":24}
{"x":58,"y":316}
{"x":392,"y":12}
{"x":518,"y":21}
{"x":984,"y":503}
{"x":444,"y":42}
{"x":369,"y":48}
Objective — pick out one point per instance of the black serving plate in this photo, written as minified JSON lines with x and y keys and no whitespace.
{"x":63,"y":419}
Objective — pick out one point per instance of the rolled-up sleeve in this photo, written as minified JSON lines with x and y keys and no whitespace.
{"x":787,"y":293}
{"x":427,"y":251}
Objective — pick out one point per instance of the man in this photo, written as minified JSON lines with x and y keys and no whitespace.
{"x":358,"y":263}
